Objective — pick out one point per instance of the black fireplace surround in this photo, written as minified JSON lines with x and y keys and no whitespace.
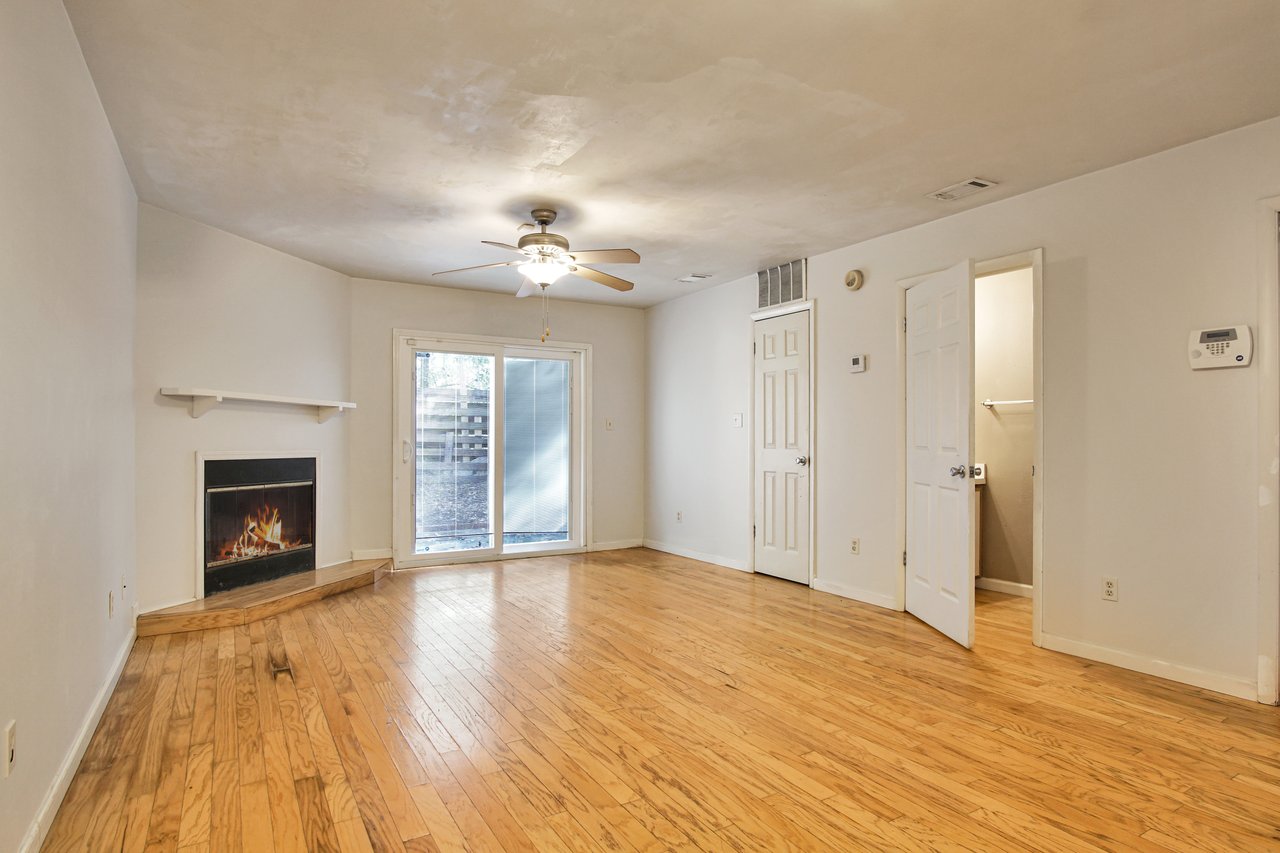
{"x":259,"y":520}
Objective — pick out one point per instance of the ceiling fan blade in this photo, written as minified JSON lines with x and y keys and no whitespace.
{"x":501,"y":245}
{"x":606,"y":256}
{"x":527,"y":289}
{"x":603,"y":278}
{"x":481,"y":267}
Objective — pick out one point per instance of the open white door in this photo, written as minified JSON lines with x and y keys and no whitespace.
{"x":939,"y":559}
{"x":782,"y":446}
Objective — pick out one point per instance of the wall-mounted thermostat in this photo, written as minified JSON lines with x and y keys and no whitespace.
{"x":1230,"y":346}
{"x":857,"y":363}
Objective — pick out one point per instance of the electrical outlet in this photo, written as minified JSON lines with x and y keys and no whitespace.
{"x":679,"y":516}
{"x":1110,"y":589}
{"x":10,"y":741}
{"x":855,"y":546}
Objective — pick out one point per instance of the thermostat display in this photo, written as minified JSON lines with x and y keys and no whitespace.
{"x":1230,"y":346}
{"x":857,"y":363}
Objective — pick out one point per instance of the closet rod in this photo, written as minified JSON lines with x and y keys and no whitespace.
{"x":989,"y":403}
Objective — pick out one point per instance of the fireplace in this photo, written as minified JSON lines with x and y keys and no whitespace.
{"x":259,"y":520}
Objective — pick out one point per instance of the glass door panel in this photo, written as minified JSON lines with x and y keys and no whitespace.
{"x":453,"y":484}
{"x":537,"y":451}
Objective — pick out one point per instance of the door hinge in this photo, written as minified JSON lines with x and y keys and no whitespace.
{"x":904,"y":558}
{"x":753,"y":531}
{"x":753,"y":347}
{"x":904,"y":324}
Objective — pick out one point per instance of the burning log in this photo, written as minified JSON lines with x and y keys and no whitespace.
{"x":263,"y":534}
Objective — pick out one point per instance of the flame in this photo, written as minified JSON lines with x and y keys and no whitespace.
{"x":263,"y":534}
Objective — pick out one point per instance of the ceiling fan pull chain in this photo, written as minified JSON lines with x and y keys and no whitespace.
{"x":546,"y":315}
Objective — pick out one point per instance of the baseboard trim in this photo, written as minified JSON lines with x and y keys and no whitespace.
{"x":1007,"y":587}
{"x":1215,"y":681}
{"x":372,"y":554}
{"x":151,"y":608}
{"x":616,"y":545}
{"x":856,"y":593}
{"x":62,"y":781}
{"x":715,"y":559}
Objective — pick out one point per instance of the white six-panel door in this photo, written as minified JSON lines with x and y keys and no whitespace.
{"x":782,"y":446}
{"x":939,"y":561}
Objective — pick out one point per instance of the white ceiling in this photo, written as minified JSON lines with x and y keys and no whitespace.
{"x":386,"y":138}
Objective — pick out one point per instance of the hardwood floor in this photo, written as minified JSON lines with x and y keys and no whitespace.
{"x":634,"y":700}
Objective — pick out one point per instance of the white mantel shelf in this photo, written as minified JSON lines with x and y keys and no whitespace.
{"x":205,"y":399}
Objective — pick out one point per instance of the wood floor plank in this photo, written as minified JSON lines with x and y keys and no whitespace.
{"x":197,"y":802}
{"x":282,"y":794}
{"x":444,"y":829}
{"x":630,"y":700}
{"x":318,"y":829}
{"x":224,"y":823}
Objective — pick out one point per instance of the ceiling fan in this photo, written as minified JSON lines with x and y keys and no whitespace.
{"x":547,"y":258}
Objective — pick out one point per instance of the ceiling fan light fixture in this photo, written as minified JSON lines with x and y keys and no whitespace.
{"x":543,"y":270}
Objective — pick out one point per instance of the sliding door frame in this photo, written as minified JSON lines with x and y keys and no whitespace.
{"x":405,"y":342}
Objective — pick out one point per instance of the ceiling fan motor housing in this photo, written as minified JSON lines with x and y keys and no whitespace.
{"x":543,"y":244}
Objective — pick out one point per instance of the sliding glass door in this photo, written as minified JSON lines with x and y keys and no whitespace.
{"x":537,"y":448}
{"x":453,"y":480}
{"x":490,"y":450}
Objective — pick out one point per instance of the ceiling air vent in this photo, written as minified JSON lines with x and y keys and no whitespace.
{"x":784,"y":283}
{"x":961,"y":189}
{"x":695,"y":277}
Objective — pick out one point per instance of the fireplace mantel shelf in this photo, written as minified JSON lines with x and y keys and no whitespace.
{"x":204,"y":399}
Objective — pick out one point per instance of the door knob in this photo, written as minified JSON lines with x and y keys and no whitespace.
{"x":802,"y":460}
{"x":960,"y":471}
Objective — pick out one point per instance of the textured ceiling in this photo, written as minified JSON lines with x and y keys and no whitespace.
{"x":386,"y":138}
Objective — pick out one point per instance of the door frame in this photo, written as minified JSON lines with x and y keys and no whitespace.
{"x":1033,"y":259}
{"x":809,"y":306}
{"x":1267,"y":357}
{"x":580,"y":456}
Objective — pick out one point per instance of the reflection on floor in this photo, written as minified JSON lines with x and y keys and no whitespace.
{"x":633,"y":700}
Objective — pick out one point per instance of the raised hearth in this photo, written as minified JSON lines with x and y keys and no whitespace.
{"x":260,"y":601}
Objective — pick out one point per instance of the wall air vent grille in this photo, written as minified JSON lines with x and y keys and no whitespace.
{"x":781,"y":284}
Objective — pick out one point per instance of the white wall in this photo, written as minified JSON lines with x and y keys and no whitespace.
{"x":1149,"y":468}
{"x":68,"y":219}
{"x":617,"y":339}
{"x":699,"y":364}
{"x":217,"y":311}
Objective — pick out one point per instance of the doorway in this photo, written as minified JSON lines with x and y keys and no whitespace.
{"x":1004,"y":450}
{"x":1004,"y":430}
{"x":782,"y":443}
{"x":973,"y":440}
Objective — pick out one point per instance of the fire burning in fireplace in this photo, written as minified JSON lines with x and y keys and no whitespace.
{"x":263,"y":535}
